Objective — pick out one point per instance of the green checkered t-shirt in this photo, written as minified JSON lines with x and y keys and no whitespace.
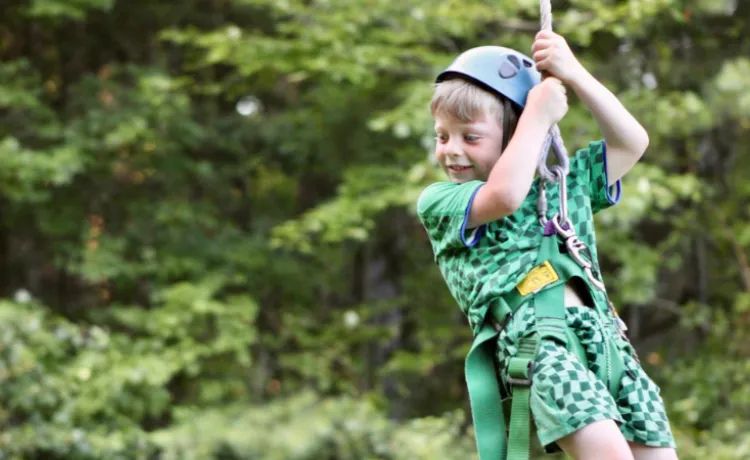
{"x":489,"y":261}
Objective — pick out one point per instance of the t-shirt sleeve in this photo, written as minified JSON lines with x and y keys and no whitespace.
{"x":590,"y":166}
{"x":443,"y":209}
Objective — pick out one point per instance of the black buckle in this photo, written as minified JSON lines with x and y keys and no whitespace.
{"x":498,"y":325}
{"x":523,"y":382}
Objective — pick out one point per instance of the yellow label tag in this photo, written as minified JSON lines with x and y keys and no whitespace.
{"x":537,"y":278}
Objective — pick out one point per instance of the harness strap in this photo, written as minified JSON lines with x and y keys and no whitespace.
{"x":520,"y":372}
{"x":549,"y":310}
{"x":484,"y":395}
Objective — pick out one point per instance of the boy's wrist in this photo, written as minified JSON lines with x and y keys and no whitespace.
{"x":535,"y":121}
{"x":581,"y":79}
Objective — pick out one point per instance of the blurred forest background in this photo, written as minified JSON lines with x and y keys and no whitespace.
{"x":208,"y":246}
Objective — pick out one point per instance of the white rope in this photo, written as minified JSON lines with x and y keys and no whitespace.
{"x":562,"y":225}
{"x":546,"y":13}
{"x":554,"y":139}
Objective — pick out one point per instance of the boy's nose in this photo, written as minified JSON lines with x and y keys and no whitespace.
{"x":454,"y":149}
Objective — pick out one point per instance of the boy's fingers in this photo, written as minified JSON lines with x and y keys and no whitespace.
{"x":541,"y":44}
{"x":545,"y":34}
{"x":540,"y":55}
{"x":544,"y":64}
{"x":554,"y":81}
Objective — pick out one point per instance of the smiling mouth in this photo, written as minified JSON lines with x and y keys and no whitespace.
{"x":458,"y":169}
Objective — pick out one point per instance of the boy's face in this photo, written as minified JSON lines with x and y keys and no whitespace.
{"x":468,"y":151}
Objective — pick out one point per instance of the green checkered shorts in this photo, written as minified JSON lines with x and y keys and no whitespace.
{"x":566,"y":395}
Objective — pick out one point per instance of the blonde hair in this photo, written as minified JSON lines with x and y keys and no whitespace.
{"x":461,"y":100}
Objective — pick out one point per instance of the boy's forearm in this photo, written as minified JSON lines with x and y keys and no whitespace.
{"x":513,"y":173}
{"x":621,"y":131}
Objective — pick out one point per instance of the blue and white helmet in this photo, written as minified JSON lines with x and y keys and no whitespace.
{"x":500,"y":70}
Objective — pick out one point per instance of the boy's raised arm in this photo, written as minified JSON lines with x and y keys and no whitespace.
{"x":511,"y":177}
{"x":626,"y":139}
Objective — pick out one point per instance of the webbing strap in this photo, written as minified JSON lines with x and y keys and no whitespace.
{"x":616,"y":368}
{"x":549,"y":310}
{"x":484,"y":395}
{"x":520,"y":372}
{"x":549,"y":304}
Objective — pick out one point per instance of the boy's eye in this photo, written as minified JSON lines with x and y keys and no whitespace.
{"x":441,"y":138}
{"x":471,"y":138}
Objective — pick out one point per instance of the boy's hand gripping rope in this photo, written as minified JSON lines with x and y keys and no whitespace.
{"x":560,"y":221}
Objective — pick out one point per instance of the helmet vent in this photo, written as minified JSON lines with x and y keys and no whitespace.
{"x":527,"y":64}
{"x":507,"y":70}
{"x":515,"y":61}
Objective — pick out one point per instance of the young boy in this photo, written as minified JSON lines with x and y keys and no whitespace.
{"x":557,"y":343}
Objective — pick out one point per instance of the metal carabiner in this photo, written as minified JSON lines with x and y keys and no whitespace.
{"x":564,"y":227}
{"x":560,"y":228}
{"x":541,"y":203}
{"x":563,"y":186}
{"x":575,"y":248}
{"x":594,"y":280}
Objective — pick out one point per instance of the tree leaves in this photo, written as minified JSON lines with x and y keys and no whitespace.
{"x":67,"y":9}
